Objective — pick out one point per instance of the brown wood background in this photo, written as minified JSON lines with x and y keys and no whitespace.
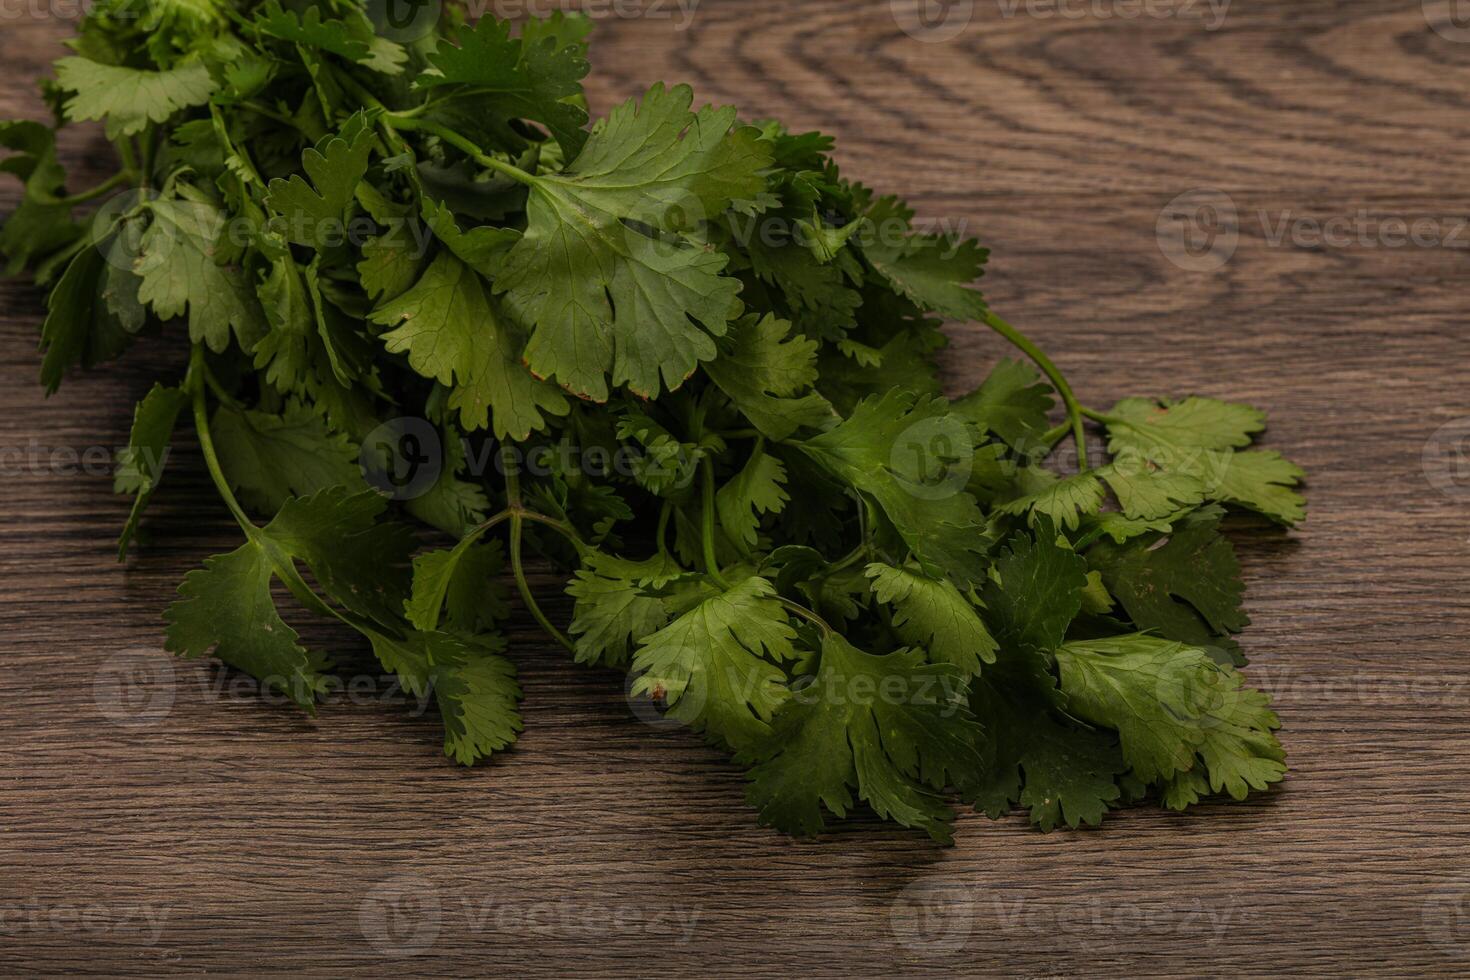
{"x":259,"y":839}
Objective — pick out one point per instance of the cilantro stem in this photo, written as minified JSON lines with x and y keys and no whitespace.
{"x":802,"y":612}
{"x":150,"y":150}
{"x":125,"y":153}
{"x":126,"y":176}
{"x":848,"y":559}
{"x":400,"y":121}
{"x":518,"y":517}
{"x":270,"y":113}
{"x":707,"y":521}
{"x":517,"y":568}
{"x":195,"y":381}
{"x":1074,"y":408}
{"x":1052,"y":435}
{"x":661,"y":535}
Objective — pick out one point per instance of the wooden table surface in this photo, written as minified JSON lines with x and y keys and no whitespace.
{"x":159,"y":817}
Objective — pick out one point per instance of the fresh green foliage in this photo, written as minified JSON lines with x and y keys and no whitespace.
{"x":433,"y":320}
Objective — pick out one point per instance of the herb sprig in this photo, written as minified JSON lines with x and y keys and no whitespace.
{"x":677,"y":354}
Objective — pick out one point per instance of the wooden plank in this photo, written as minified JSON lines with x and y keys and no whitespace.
{"x":260,"y":839}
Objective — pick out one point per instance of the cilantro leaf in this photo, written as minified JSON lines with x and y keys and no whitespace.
{"x":311,"y":213}
{"x":755,"y":490}
{"x":79,"y":329}
{"x":478,"y":703}
{"x":41,"y":224}
{"x":763,"y":372}
{"x":536,"y":78}
{"x":899,"y":451}
{"x":460,"y":582}
{"x":1012,"y":402}
{"x":1198,"y":439}
{"x":892,"y":728}
{"x":227,"y":606}
{"x":1035,"y":593}
{"x":270,"y":458}
{"x":934,"y":271}
{"x":454,"y":332}
{"x":140,"y":465}
{"x":181,"y":271}
{"x":1263,"y":481}
{"x":350,"y":37}
{"x":617,"y":605}
{"x":1184,"y":585}
{"x":130,"y":98}
{"x":1064,"y":500}
{"x":1174,"y":708}
{"x":932,"y":614}
{"x":606,"y":298}
{"x":716,"y":666}
{"x":1061,"y":773}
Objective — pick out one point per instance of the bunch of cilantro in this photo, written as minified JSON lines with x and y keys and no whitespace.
{"x":733,"y":440}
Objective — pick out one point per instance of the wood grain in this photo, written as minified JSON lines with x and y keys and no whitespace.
{"x":264,"y":840}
